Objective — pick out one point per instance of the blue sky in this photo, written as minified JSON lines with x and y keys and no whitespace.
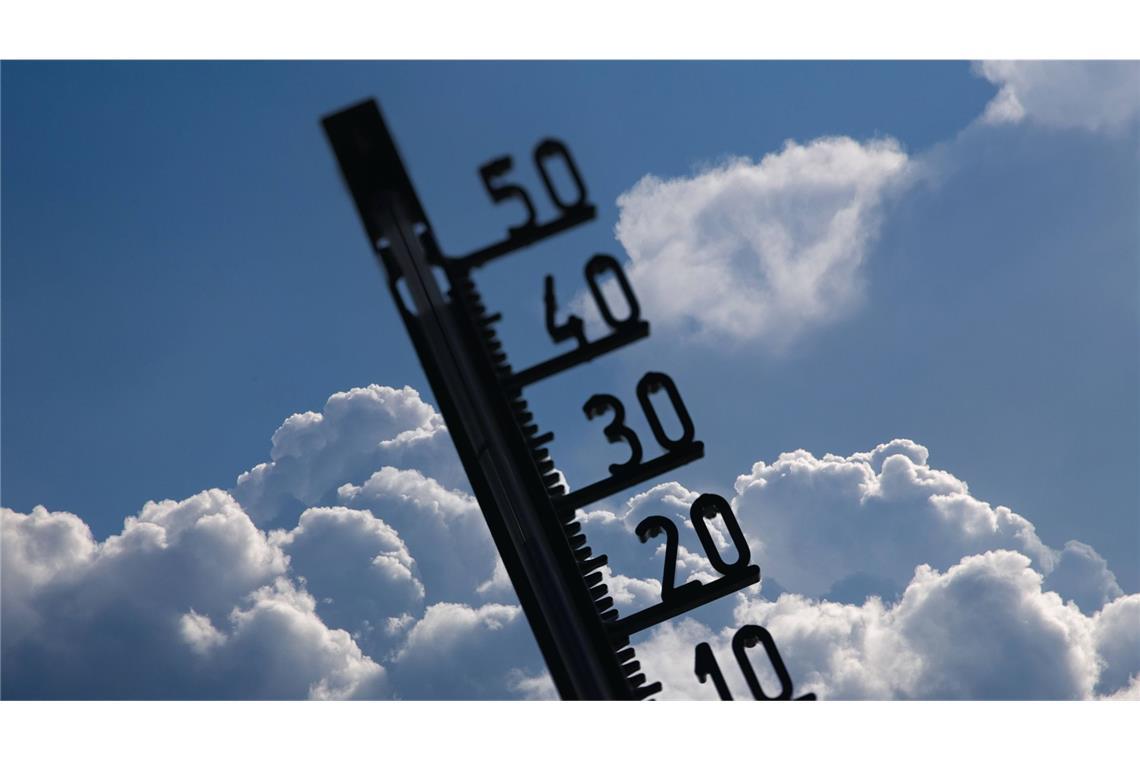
{"x":182,"y":270}
{"x":210,"y":279}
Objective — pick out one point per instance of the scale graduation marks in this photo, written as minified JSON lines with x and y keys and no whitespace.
{"x":531,"y":516}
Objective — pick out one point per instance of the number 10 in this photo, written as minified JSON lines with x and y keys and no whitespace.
{"x":748,"y":636}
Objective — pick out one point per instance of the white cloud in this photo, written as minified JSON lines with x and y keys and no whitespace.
{"x":192,"y":599}
{"x":845,"y":527}
{"x":498,"y":586}
{"x":984,"y":629}
{"x":909,"y":587}
{"x":759,"y":252}
{"x":848,"y":527}
{"x":1130,"y":693}
{"x":36,"y":548}
{"x":457,"y":651}
{"x":199,"y":632}
{"x":443,"y":528}
{"x":398,"y":592}
{"x":529,"y":686}
{"x":446,"y":623}
{"x":281,"y":626}
{"x":357,"y":567}
{"x":1118,"y":644}
{"x":357,"y":433}
{"x":1082,"y":575}
{"x":631,"y":594}
{"x":411,"y":488}
{"x":1094,"y":95}
{"x":188,"y":600}
{"x":842,"y":529}
{"x":763,"y":252}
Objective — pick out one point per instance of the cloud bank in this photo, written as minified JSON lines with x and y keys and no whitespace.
{"x":984,"y":629}
{"x":884,"y":578}
{"x":189,"y":600}
{"x":335,"y":570}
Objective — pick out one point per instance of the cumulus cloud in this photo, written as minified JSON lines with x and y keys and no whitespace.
{"x":201,"y":598}
{"x":1117,"y":636}
{"x":1082,"y":575}
{"x":443,"y":528}
{"x":191,"y":600}
{"x":884,"y":577}
{"x":906,"y":586}
{"x":35,"y":549}
{"x":460,"y":651}
{"x":188,"y":600}
{"x":247,"y":659}
{"x":356,"y":433}
{"x":357,"y":568}
{"x":759,"y":252}
{"x":876,"y":515}
{"x":200,"y":550}
{"x":848,"y":527}
{"x":984,"y":629}
{"x":1102,"y":96}
{"x":844,"y":529}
